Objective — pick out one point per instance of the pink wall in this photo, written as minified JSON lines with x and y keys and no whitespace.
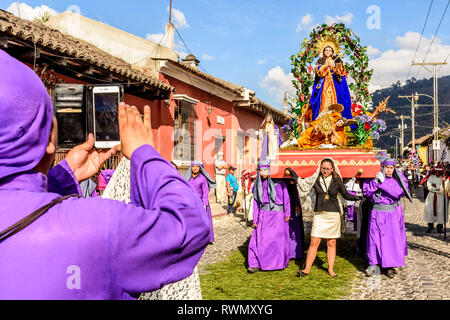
{"x":206,"y":123}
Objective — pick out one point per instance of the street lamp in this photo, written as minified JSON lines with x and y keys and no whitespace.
{"x":396,"y":145}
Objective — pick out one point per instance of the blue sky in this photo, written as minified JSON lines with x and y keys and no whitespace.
{"x":250,"y":42}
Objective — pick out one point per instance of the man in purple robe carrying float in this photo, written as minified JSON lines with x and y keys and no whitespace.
{"x":269,"y":245}
{"x":86,"y":248}
{"x":386,"y":239}
{"x":202,"y":183}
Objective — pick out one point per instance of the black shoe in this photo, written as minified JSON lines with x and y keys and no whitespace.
{"x":430,"y":228}
{"x":252,"y":270}
{"x":440,"y":228}
{"x":390,"y":273}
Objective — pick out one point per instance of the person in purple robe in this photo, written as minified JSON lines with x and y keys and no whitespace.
{"x":86,"y":248}
{"x":202,"y":183}
{"x":296,"y":227}
{"x":269,"y":244}
{"x":386,"y":239}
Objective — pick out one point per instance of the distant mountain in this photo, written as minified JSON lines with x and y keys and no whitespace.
{"x":424,"y":114}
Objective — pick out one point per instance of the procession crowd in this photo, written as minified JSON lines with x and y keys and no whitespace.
{"x":59,"y":242}
{"x":365,"y":202}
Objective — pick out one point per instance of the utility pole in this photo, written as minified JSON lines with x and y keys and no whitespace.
{"x":170,"y":13}
{"x":402,"y":133}
{"x":413,"y":101}
{"x":436,"y":99}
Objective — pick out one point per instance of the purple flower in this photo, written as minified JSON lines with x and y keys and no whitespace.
{"x":375,"y":135}
{"x":382,"y":125}
{"x":286,"y":128}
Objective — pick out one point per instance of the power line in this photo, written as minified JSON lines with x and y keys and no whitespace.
{"x":434,"y":37}
{"x":420,"y":40}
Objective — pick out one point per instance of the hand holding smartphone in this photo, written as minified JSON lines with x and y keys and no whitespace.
{"x":106,"y":101}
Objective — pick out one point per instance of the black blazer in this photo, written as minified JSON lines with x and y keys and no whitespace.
{"x":336,"y":186}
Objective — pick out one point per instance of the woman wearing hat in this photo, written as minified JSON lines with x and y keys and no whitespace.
{"x":269,"y":244}
{"x":386,"y":238}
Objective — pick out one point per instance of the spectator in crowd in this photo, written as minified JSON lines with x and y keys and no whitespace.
{"x":435,"y":204}
{"x":424,"y":174}
{"x":220,"y":170}
{"x":232,"y":189}
{"x":411,"y":176}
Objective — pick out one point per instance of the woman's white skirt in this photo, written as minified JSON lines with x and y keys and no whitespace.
{"x":326,"y":225}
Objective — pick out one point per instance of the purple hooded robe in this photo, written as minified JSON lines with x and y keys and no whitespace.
{"x":386,"y":239}
{"x":269,"y":247}
{"x":86,"y":248}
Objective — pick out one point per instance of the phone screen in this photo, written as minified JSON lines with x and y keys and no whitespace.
{"x":106,"y":106}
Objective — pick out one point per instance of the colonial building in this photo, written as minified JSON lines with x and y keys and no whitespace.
{"x":204,"y":115}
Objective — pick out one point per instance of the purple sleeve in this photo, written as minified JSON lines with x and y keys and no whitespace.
{"x":162,"y":236}
{"x":205,"y":193}
{"x":62,"y":181}
{"x":370,"y":187}
{"x":255,"y":211}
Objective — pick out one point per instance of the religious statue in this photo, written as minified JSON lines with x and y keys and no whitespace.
{"x":328,"y":130}
{"x":272,"y":139}
{"x":330,"y":84}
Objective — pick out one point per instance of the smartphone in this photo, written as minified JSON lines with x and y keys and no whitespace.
{"x":105,"y":118}
{"x":69,"y":101}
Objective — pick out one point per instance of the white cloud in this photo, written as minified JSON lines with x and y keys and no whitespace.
{"x":178,"y":19}
{"x":262,"y":61}
{"x":207,"y":57}
{"x":346,"y":19}
{"x":24,"y":11}
{"x":156,"y":37}
{"x":372,"y":52}
{"x":179,"y":49}
{"x":305,"y":22}
{"x":277,"y":83}
{"x":393,"y":65}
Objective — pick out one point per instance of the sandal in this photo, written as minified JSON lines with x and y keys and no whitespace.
{"x":301,"y":274}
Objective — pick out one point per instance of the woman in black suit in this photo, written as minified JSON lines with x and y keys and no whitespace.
{"x":328,"y":187}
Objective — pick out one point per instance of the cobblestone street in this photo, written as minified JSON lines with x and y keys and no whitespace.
{"x":425,"y":277}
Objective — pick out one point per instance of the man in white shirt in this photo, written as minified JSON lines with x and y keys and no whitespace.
{"x":221,"y":170}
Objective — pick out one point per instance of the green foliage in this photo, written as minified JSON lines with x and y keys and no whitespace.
{"x":358,"y":69}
